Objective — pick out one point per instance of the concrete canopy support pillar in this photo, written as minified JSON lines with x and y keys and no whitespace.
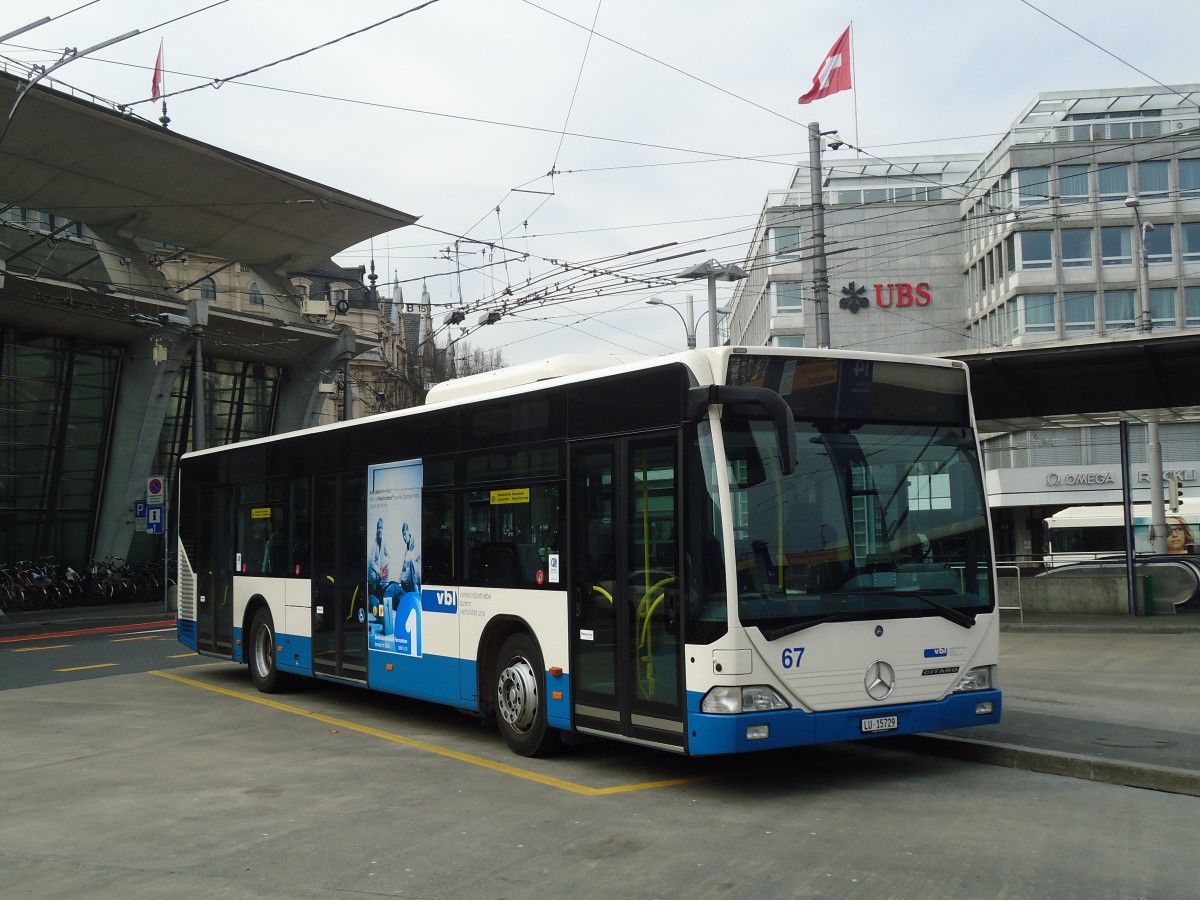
{"x":300,"y":401}
{"x":143,"y":396}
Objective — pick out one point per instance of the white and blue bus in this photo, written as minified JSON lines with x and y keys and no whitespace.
{"x":726,"y":550}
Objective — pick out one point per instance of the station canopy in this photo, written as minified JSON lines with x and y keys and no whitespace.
{"x":1097,"y":382}
{"x":78,"y":159}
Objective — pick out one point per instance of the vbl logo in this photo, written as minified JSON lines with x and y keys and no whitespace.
{"x":903,"y":294}
{"x":936,"y":652}
{"x":437,"y":601}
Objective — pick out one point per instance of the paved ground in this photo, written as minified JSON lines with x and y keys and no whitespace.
{"x":1107,"y":698}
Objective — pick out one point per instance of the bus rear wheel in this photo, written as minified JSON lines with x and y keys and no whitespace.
{"x":263,"y":670}
{"x":520,"y":679}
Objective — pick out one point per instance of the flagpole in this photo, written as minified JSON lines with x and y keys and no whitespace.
{"x":160,"y":84}
{"x":854,"y":89}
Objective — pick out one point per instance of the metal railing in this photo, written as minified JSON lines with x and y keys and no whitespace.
{"x":1019,"y":608}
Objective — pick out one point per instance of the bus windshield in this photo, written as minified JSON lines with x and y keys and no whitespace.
{"x":879,"y":519}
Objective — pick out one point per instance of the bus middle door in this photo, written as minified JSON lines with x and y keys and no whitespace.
{"x":625,"y":635}
{"x":339,"y":601}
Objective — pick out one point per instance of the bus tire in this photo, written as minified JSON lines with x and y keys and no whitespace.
{"x":520,"y":698}
{"x":263,"y":671}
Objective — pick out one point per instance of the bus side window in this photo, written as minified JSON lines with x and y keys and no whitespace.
{"x":511,"y":533}
{"x":437,"y":531}
{"x":301,"y":527}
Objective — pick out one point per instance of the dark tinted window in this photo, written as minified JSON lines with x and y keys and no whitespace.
{"x":634,"y":402}
{"x":858,"y":390}
{"x":519,"y":420}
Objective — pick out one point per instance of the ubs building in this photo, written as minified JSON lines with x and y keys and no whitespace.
{"x":1038,"y":243}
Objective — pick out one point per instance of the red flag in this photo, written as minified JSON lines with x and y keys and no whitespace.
{"x":156,"y":86}
{"x":834,"y":74}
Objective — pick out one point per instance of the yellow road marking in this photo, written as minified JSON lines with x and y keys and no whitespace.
{"x":468,"y":758}
{"x":33,"y":649}
{"x":85,"y":668}
{"x":182,"y":656}
{"x":140,"y":637}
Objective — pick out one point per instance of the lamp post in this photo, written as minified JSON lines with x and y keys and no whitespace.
{"x":1145,"y":321}
{"x":713,"y":272}
{"x":1158,"y":513}
{"x":816,"y":189}
{"x":689,"y":321}
{"x":197,"y":315}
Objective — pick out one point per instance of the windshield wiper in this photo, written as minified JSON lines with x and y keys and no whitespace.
{"x":957,"y":616}
{"x":784,"y":630}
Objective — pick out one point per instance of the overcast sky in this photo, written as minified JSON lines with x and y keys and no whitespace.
{"x":667,"y":124}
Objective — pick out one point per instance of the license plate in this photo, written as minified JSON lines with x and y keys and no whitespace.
{"x":881,"y":723}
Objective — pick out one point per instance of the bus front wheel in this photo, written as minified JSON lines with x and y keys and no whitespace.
{"x":520,"y":680}
{"x":265,"y":674}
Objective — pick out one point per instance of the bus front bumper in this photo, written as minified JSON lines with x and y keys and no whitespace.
{"x":711,"y":734}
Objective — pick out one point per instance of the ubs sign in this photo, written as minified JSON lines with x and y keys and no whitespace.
{"x":903,"y":294}
{"x":900,"y":294}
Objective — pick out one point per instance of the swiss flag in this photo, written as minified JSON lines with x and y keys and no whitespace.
{"x":156,"y":86}
{"x":834,"y":74}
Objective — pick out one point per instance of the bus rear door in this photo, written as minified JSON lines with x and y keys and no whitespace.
{"x":214,"y":607}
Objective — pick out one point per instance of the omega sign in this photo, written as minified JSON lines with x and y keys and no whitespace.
{"x":1073,"y":478}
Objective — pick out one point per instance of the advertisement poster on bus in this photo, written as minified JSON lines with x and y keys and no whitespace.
{"x":394,"y":557}
{"x":1087,"y":533}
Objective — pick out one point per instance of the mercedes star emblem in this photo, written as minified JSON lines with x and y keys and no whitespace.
{"x":880,"y":680}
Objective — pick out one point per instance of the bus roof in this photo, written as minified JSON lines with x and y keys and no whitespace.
{"x":1114,"y":514}
{"x":707,"y":363}
{"x":518,"y":375}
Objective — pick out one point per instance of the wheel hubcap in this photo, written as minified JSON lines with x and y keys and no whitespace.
{"x":517,"y":695}
{"x":262,"y":651}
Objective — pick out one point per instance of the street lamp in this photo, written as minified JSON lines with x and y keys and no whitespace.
{"x":689,"y":322}
{"x":1146,"y":321}
{"x":713,"y":271}
{"x":1158,"y":516}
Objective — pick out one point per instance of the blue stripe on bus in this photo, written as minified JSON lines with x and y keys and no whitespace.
{"x":417,"y":677}
{"x":427,"y":677}
{"x":558,"y":709}
{"x":712,"y":734}
{"x":422,"y":676}
{"x":296,"y":655}
{"x":186,"y":630}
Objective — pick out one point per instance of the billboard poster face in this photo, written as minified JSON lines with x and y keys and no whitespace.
{"x":1181,"y":534}
{"x":394,"y":557}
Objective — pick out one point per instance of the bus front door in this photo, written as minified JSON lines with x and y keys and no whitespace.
{"x":625,"y":636}
{"x":214,"y":594}
{"x":339,"y":605}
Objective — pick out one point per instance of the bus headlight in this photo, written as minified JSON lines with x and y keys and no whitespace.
{"x":727,"y":699}
{"x":980,"y":679}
